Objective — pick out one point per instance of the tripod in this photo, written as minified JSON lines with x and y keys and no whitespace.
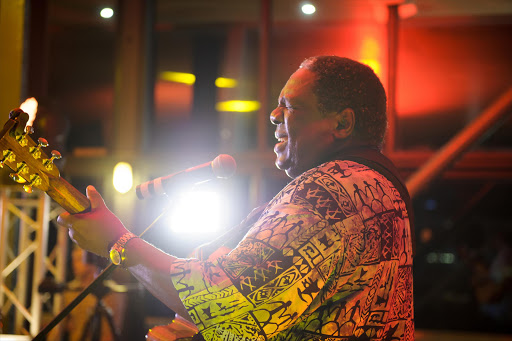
{"x":92,"y":327}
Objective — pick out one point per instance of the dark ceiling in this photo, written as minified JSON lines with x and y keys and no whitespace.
{"x":247,"y":11}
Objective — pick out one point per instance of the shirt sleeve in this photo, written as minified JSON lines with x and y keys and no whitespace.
{"x":268,"y":281}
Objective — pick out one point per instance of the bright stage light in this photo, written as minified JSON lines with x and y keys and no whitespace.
{"x":123,"y":177}
{"x":308,"y":9}
{"x":238,"y":106}
{"x":107,"y":13}
{"x":197,"y":213}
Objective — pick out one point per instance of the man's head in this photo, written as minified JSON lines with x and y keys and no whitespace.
{"x":328,"y":104}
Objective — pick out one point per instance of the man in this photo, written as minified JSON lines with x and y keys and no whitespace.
{"x":330,"y":257}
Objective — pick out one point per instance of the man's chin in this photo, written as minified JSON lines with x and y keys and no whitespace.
{"x":288,"y":169}
{"x":284,"y":166}
{"x":290,"y":174}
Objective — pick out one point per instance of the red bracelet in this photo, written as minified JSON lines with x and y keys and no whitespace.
{"x":117,"y":254}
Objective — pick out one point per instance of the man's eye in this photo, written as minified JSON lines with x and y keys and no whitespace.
{"x":286,"y":106}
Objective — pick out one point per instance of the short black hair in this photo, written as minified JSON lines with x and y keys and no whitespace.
{"x":344,"y":83}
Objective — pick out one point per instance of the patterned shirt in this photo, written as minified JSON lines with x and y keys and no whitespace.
{"x":329,"y":259}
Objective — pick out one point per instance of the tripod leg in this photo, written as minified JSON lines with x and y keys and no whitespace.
{"x":96,"y":330}
{"x":92,"y":327}
{"x":110,"y":320}
{"x":87,"y":327}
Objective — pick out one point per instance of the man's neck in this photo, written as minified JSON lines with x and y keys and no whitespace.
{"x":350,"y":149}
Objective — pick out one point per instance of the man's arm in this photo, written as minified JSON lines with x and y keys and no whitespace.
{"x":98,"y":229}
{"x":151,"y":267}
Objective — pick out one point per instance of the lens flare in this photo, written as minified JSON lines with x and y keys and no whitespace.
{"x":185,"y":218}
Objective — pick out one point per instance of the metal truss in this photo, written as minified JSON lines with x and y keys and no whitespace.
{"x":25,"y":261}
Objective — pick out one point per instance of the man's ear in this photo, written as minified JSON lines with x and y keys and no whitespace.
{"x":346,"y":121}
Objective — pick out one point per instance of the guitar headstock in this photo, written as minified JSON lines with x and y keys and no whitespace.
{"x":30,"y":164}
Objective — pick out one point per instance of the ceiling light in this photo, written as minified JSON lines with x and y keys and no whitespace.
{"x":107,"y":13}
{"x":308,"y":9}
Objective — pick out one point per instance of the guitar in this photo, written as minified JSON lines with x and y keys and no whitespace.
{"x":33,"y":168}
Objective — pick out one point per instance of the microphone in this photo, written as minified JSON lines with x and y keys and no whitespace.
{"x":222,"y":167}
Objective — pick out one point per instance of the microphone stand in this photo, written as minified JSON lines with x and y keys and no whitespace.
{"x":94,"y":284}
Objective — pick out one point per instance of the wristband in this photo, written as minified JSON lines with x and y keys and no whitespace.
{"x":116,"y":253}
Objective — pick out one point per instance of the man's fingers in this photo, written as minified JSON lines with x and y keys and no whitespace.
{"x":64,"y":220}
{"x":95,"y":197}
{"x":71,"y":234}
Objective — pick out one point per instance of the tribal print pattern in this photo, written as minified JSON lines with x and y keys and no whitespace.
{"x":329,"y":259}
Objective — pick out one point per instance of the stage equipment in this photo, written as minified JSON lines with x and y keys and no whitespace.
{"x":222,"y":167}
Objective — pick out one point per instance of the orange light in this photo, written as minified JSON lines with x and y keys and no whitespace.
{"x":30,"y":107}
{"x":370,"y":52}
{"x":375,"y":65}
{"x":407,"y":10}
{"x":370,"y":48}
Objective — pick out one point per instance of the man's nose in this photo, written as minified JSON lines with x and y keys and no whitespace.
{"x":276,"y":116}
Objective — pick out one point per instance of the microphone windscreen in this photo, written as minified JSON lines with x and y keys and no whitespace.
{"x":224,"y":166}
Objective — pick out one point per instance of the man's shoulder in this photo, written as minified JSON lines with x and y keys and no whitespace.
{"x":324,"y":185}
{"x":343,"y":171}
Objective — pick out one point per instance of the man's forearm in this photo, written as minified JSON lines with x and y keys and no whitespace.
{"x":151,"y":267}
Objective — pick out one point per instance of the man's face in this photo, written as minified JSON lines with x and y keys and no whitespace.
{"x":304,"y":134}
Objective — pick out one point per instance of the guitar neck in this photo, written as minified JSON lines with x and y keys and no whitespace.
{"x":67,"y":196}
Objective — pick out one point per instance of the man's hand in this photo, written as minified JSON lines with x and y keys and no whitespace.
{"x":96,"y":230}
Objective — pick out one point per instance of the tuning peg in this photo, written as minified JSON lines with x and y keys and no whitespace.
{"x":22,"y":138}
{"x":16,"y":177}
{"x":36,"y":151}
{"x":8,"y":156}
{"x":48,"y":163}
{"x":35,"y":180}
{"x":20,"y":170}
